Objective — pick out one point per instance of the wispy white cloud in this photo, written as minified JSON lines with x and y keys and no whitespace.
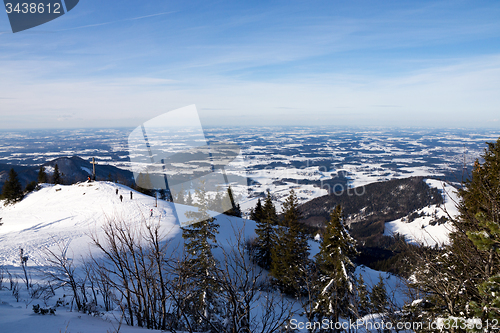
{"x":117,"y":21}
{"x":438,"y":96}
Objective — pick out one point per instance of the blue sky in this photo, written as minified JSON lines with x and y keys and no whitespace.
{"x":119,"y":63}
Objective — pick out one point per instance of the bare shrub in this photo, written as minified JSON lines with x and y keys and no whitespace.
{"x":132,"y":266}
{"x":63,"y":271}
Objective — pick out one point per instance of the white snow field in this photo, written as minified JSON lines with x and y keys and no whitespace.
{"x":18,"y":317}
{"x":420,"y":231}
{"x":367,"y":173}
{"x":58,"y":214}
{"x":63,"y":213}
{"x":269,"y":179}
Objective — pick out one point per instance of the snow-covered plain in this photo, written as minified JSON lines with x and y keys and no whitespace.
{"x":271,"y":154}
{"x":270,"y":179}
{"x":367,"y":173}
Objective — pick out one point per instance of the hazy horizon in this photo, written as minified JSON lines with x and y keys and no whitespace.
{"x":356,"y":127}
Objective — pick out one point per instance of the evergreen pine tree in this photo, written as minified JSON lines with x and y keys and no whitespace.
{"x":470,"y":263}
{"x":237,"y":211}
{"x":336,"y":268}
{"x":57,"y":175}
{"x":269,"y":211}
{"x":289,"y":255}
{"x":480,"y":213}
{"x":378,"y":297}
{"x":200,"y":238}
{"x":265,"y":232}
{"x":257,"y":212}
{"x":42,"y":175}
{"x":488,"y":241}
{"x":30,"y":187}
{"x":363,"y":299}
{"x":12,"y":190}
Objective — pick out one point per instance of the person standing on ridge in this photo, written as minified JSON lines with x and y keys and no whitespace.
{"x":121,"y":198}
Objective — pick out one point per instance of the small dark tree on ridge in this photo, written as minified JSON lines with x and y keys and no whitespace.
{"x":12,"y":189}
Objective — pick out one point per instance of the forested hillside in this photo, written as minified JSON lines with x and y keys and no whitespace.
{"x":376,"y":202}
{"x":73,"y":169}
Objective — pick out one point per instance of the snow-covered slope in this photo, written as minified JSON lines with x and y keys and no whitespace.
{"x":394,"y":285}
{"x":63,"y":213}
{"x":422,"y":229}
{"x":59,"y":213}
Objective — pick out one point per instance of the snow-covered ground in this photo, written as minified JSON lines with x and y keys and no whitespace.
{"x":420,"y":230}
{"x":60,"y":214}
{"x":271,"y":179}
{"x":63,"y":213}
{"x":18,"y":317}
{"x":70,"y":213}
{"x":394,"y":285}
{"x":367,"y":173}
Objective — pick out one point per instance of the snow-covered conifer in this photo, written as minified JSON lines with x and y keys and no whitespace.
{"x":289,"y":255}
{"x":378,"y":297}
{"x":200,"y":238}
{"x":362,"y":295}
{"x":337,"y":279}
{"x":267,"y":218}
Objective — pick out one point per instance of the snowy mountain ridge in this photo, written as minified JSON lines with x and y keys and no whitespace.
{"x":70,"y":213}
